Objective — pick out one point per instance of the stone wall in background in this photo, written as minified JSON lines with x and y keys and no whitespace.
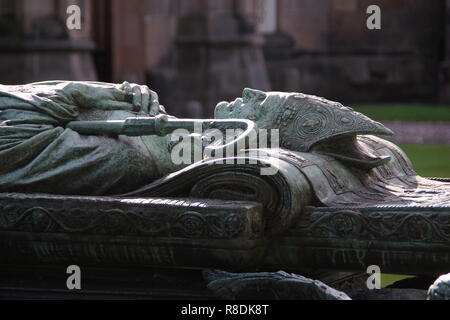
{"x":198,"y":52}
{"x":332,"y":53}
{"x":35,"y":44}
{"x":194,"y":53}
{"x":216,"y":52}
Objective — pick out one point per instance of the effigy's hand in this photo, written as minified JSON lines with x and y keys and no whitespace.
{"x":108,"y":96}
{"x":143,"y":98}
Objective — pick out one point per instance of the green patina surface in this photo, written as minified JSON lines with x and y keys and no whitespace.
{"x":324,"y":140}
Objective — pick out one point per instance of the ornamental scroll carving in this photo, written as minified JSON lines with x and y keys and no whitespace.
{"x":134,"y":220}
{"x":399,"y":224}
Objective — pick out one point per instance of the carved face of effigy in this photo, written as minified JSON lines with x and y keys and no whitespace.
{"x":254,"y":105}
{"x":307,"y":123}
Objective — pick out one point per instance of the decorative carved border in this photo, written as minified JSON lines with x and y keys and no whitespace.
{"x":184,"y":218}
{"x":389,"y":223}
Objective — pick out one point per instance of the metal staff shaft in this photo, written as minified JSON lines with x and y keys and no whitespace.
{"x":160,"y":125}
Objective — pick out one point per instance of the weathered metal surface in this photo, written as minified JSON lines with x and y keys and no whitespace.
{"x":164,"y":232}
{"x":206,"y":233}
{"x":440,"y":289}
{"x":405,"y":240}
{"x":338,"y":199}
{"x":269,"y":285}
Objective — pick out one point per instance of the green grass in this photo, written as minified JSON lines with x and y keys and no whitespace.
{"x":387,"y":279}
{"x":429,"y":160}
{"x":405,"y":112}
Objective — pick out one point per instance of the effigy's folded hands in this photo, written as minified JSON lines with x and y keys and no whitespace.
{"x":107,"y":96}
{"x":142,"y":98}
{"x":38,"y":152}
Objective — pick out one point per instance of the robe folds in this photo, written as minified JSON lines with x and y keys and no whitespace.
{"x":39,"y":155}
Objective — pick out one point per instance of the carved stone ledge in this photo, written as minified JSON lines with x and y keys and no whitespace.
{"x":203,"y":233}
{"x":411,"y":240}
{"x":152,"y":231}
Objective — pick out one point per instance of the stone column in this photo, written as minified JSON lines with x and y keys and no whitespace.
{"x":217,"y":53}
{"x":128,"y":61}
{"x":35,"y":44}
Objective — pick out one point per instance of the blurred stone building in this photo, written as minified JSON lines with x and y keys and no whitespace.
{"x":195,"y":53}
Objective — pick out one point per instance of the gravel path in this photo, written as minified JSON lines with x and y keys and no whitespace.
{"x":419,"y":132}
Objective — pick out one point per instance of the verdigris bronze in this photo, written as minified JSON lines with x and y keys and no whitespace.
{"x":269,"y":285}
{"x":440,"y":289}
{"x":341,"y":197}
{"x":39,"y":154}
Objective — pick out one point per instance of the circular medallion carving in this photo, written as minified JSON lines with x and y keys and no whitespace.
{"x":312,"y":122}
{"x":192,"y":224}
